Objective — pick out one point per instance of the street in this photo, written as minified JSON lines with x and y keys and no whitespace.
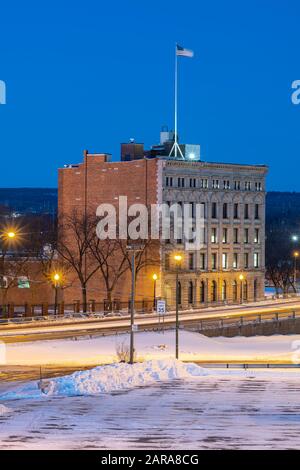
{"x":34,"y":332}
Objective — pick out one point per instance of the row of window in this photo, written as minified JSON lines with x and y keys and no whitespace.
{"x":236,"y":235}
{"x":205,"y":183}
{"x":225,"y":209}
{"x":214,"y":239}
{"x":238,"y":261}
{"x":239,"y":291}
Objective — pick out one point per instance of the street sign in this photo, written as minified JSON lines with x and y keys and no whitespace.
{"x":23,"y":282}
{"x":161,"y":307}
{"x":135,"y":327}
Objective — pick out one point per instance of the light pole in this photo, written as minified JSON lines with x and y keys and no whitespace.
{"x":295,"y":254}
{"x":177,"y":259}
{"x":56,"y":279}
{"x":154,"y":277}
{"x":241,"y":278}
{"x":8,"y":237}
{"x":133,"y":250}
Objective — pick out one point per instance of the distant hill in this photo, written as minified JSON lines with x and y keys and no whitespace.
{"x":282,"y":208}
{"x":283,"y":211}
{"x":28,"y":200}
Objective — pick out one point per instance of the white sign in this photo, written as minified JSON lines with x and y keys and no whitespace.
{"x":161,"y":307}
{"x":135,"y":327}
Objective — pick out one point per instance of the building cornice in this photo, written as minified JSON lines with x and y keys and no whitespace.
{"x":263,"y":169}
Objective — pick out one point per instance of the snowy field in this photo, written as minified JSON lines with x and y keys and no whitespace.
{"x":155,"y":405}
{"x":158,"y":403}
{"x":193,"y":347}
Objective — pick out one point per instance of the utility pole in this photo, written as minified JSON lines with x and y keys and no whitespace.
{"x":132,"y":306}
{"x":133,"y":249}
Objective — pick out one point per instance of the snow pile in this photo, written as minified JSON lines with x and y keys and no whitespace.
{"x":123,"y":376}
{"x":110,"y":378}
{"x":4,"y":410}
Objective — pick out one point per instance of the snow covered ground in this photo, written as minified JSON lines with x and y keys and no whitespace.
{"x":155,"y":405}
{"x":155,"y":345}
{"x":158,"y":403}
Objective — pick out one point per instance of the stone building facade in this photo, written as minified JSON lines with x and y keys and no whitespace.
{"x":230,"y":265}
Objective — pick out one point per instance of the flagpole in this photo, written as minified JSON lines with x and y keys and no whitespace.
{"x":176,"y":99}
{"x":175,"y":146}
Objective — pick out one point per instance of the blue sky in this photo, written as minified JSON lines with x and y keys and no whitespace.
{"x":91,"y":74}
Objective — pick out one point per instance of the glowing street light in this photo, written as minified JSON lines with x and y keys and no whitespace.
{"x":154,"y":277}
{"x":56,"y":277}
{"x":241,"y":278}
{"x":11,"y":235}
{"x":295,"y":255}
{"x":295,"y":238}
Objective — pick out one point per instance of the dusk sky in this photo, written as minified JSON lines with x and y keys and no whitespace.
{"x":93,"y":74}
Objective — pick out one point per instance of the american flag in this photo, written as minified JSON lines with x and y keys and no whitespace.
{"x":181,"y":51}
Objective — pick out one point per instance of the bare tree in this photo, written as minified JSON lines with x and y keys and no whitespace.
{"x":147,"y":253}
{"x":112,"y":262}
{"x":13,"y":266}
{"x":75,"y":234}
{"x":279,"y":263}
{"x":280,"y":274}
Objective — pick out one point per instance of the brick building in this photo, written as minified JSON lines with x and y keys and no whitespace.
{"x":99,"y":180}
{"x":230,"y":264}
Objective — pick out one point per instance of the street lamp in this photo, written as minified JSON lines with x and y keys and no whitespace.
{"x":11,"y":235}
{"x":241,"y":278}
{"x":295,"y":238}
{"x":56,"y":278}
{"x":295,"y":255}
{"x":177,"y":259}
{"x":154,"y":277}
{"x":7,"y":236}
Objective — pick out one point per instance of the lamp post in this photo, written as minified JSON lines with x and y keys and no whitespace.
{"x":56,"y":279}
{"x":241,"y":278}
{"x":295,"y":254}
{"x":154,"y":277}
{"x":8,"y":236}
{"x":177,"y":259}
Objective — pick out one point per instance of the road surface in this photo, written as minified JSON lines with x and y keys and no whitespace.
{"x":34,"y":332}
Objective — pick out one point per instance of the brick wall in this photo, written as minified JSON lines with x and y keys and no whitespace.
{"x":97,"y":181}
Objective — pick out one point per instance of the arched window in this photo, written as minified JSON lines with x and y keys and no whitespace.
{"x":202,"y":292}
{"x":234,"y":291}
{"x":213,"y":291}
{"x":191,"y":293}
{"x":224,"y":291}
{"x":255,"y":289}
